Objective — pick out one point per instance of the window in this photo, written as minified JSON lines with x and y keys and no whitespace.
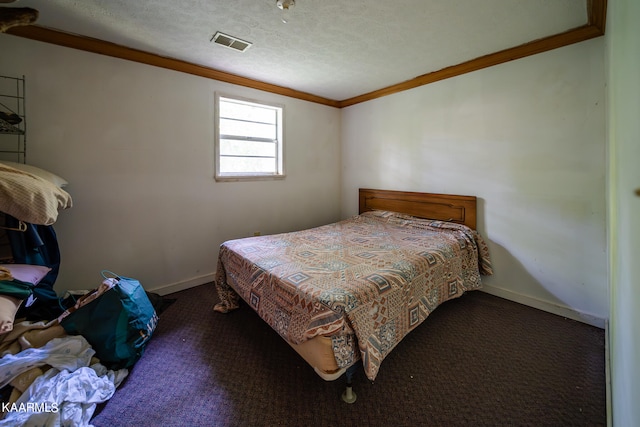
{"x":248,"y":139}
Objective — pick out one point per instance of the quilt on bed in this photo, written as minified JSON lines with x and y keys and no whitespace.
{"x":378,"y":275}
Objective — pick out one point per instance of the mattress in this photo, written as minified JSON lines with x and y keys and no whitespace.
{"x":357,"y":286}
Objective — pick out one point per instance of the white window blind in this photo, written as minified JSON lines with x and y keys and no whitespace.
{"x":248,"y":139}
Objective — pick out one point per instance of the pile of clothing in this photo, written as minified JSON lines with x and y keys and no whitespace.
{"x":52,"y":378}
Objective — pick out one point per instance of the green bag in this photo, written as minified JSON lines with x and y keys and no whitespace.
{"x":117,"y":319}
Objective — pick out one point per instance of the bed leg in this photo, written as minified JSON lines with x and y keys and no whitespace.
{"x":348,"y":395}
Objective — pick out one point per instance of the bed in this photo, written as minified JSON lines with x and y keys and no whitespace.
{"x":352,"y":290}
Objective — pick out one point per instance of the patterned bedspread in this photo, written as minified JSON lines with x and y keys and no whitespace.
{"x":376,"y":275}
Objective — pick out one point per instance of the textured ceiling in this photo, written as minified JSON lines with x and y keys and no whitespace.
{"x":335,"y":49}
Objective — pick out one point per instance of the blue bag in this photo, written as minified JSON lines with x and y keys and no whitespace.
{"x":117,"y":319}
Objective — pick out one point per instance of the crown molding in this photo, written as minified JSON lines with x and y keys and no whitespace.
{"x":596,"y":12}
{"x":88,"y":44}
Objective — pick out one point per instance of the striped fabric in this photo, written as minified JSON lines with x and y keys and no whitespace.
{"x":30,"y":198}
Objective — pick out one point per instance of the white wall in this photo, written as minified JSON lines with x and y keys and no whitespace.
{"x":623,"y":57}
{"x":136,"y":144}
{"x":528,"y":139}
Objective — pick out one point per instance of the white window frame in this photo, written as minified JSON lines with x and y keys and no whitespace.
{"x":246,"y":175}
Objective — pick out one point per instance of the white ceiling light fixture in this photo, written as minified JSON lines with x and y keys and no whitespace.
{"x":285,"y":6}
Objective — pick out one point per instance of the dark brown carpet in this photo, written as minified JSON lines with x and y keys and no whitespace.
{"x":477,"y":360}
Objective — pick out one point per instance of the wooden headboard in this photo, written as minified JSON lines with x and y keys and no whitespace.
{"x":445,"y":207}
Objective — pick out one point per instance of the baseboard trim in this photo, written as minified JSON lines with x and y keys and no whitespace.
{"x":547,"y":306}
{"x":184,"y":284}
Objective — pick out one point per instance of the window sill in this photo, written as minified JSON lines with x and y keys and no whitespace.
{"x":232,"y":178}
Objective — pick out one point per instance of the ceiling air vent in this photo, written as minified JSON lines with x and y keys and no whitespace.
{"x":230,"y":42}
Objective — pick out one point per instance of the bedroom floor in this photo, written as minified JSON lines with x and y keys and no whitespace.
{"x":477,"y":360}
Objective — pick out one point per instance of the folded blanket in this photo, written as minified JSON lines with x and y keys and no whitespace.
{"x":30,"y":198}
